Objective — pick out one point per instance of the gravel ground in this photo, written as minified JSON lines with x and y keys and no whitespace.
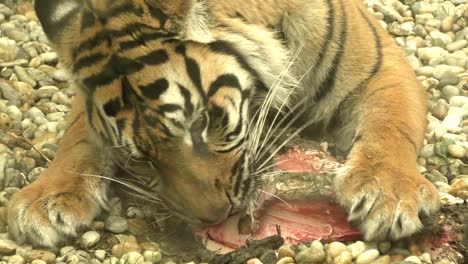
{"x":35,"y":98}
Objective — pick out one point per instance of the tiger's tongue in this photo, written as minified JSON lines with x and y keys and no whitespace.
{"x":299,"y":220}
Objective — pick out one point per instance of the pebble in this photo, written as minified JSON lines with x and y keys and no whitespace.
{"x":456,"y":151}
{"x":286,"y":260}
{"x":367,"y":257}
{"x":413,"y":259}
{"x":152,"y":256}
{"x":312,"y":254}
{"x":126,"y":245}
{"x":459,"y":188}
{"x":116,"y":224}
{"x":36,"y":254}
{"x":7,"y":246}
{"x":383,"y":260}
{"x":100,"y":254}
{"x":286,"y":251}
{"x":335,"y":249}
{"x":39,"y":261}
{"x":15,"y":259}
{"x":90,"y":238}
{"x":345,"y":257}
{"x":133,"y":257}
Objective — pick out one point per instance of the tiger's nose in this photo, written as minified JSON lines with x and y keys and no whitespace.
{"x":216,"y":216}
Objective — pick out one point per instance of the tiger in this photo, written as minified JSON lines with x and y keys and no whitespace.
{"x":191,"y":91}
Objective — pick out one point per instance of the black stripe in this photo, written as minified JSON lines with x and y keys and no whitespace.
{"x":176,"y":123}
{"x":189,"y":108}
{"x":105,"y":77}
{"x":193,"y":71}
{"x":236,"y":146}
{"x":88,"y":61}
{"x":102,"y":119}
{"x":112,"y":107}
{"x":121,"y":124}
{"x":89,"y":44}
{"x":151,"y":120}
{"x":155,"y":89}
{"x":158,"y":14}
{"x":169,"y":108}
{"x":328,"y":38}
{"x":125,"y":66}
{"x":156,"y":57}
{"x":328,"y":83}
{"x":236,"y":175}
{"x":116,"y":67}
{"x":225,"y":80}
{"x":87,"y":20}
{"x":218,"y":112}
{"x":90,"y":109}
{"x":130,"y":44}
{"x":227,"y":48}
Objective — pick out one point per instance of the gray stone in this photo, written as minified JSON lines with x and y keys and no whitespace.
{"x":450,"y":91}
{"x":9,"y":93}
{"x":422,"y":7}
{"x":19,"y":62}
{"x":440,"y":39}
{"x":46,"y":91}
{"x":440,"y":109}
{"x":12,"y":178}
{"x":14,"y":113}
{"x":427,"y":151}
{"x":54,"y":117}
{"x":17,"y":35}
{"x":116,"y":224}
{"x":23,"y":76}
{"x":6,"y":11}
{"x":34,"y":174}
{"x":90,"y":238}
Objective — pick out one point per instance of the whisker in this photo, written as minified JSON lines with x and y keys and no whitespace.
{"x":146,"y":195}
{"x":277,"y":197}
{"x":294,"y":134}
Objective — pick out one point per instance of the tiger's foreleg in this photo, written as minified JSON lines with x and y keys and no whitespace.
{"x":380,"y":185}
{"x":67,"y":195}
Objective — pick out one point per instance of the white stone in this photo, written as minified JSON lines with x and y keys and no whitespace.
{"x":368,"y":257}
{"x":456,"y":151}
{"x":413,"y":259}
{"x":335,"y":249}
{"x":90,"y":238}
{"x":358,"y":247}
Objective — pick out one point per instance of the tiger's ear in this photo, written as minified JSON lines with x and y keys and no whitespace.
{"x":56,"y":16}
{"x":190,"y":17}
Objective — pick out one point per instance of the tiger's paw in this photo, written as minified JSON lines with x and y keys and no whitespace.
{"x":47,"y":215}
{"x":385,"y":202}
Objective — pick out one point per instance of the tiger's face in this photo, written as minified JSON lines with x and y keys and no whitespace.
{"x":189,"y":117}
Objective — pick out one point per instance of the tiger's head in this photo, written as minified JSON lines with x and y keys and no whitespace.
{"x":174,"y":86}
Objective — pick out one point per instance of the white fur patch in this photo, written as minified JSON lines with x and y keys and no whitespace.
{"x":198,"y":25}
{"x":63,"y":9}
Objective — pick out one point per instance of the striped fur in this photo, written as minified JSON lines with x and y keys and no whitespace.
{"x":184,"y":87}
